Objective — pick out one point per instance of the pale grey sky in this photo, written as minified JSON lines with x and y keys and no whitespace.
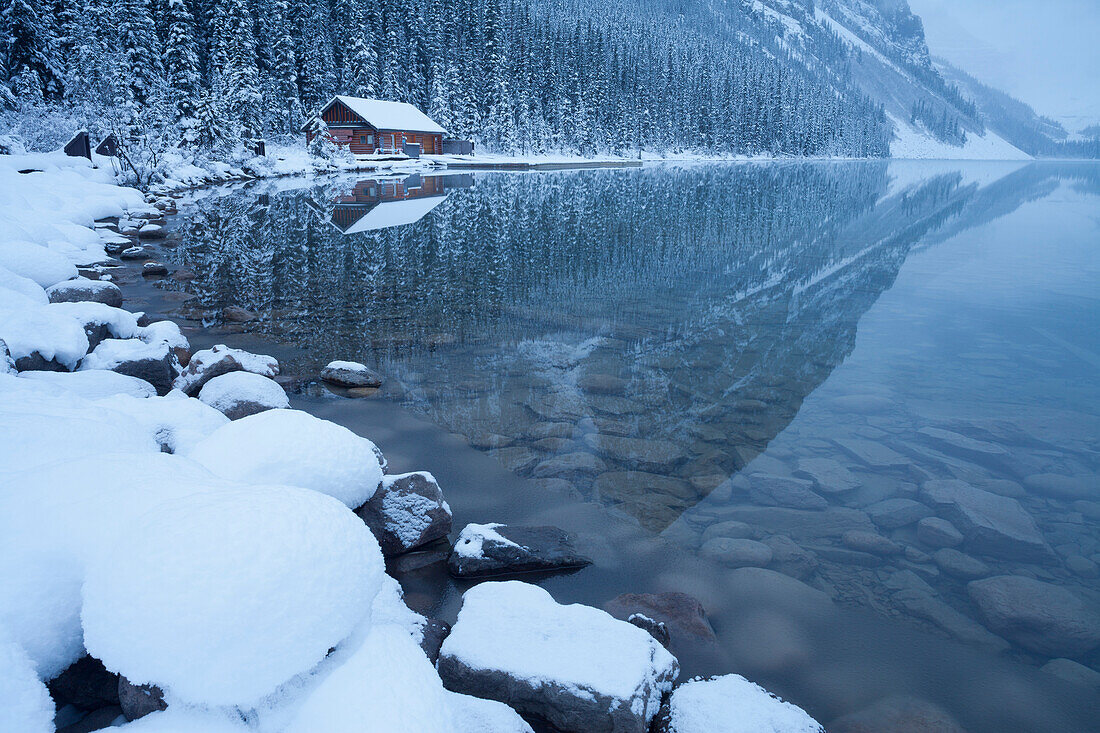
{"x":1045,"y":52}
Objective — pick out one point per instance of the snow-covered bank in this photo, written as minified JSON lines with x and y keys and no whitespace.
{"x":912,"y":144}
{"x":201,"y":544}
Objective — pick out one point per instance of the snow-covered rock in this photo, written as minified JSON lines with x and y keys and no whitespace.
{"x":496,"y":549}
{"x":240,"y":394}
{"x":94,"y":384}
{"x":23,"y":286}
{"x":82,"y":289}
{"x":474,"y":715}
{"x":25,"y":704}
{"x":133,"y":357}
{"x":294,"y":448}
{"x":219,"y":598}
{"x":33,"y":261}
{"x":163,"y":331}
{"x":40,"y":338}
{"x":407,"y":511}
{"x":177,"y":422}
{"x":732,"y":704}
{"x":350,"y":374}
{"x":99,"y":321}
{"x":386,"y":685}
{"x":213,"y":362}
{"x":575,"y":666}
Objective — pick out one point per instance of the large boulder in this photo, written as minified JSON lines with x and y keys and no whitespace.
{"x":213,"y":362}
{"x":498,"y":549}
{"x":897,"y":512}
{"x":407,"y":511}
{"x":1041,"y":617}
{"x":573,"y":666}
{"x":40,"y":338}
{"x":152,"y":362}
{"x":82,"y":289}
{"x":294,"y":448}
{"x":732,"y":704}
{"x":240,"y":394}
{"x":991,"y":524}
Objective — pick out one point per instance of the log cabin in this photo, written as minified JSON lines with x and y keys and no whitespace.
{"x":369,"y":126}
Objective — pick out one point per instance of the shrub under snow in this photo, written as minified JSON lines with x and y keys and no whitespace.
{"x":219,"y":598}
{"x":294,"y":448}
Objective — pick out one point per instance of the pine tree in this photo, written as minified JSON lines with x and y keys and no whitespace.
{"x":141,"y":70}
{"x":29,"y":49}
{"x":181,"y":61}
{"x":237,"y":75}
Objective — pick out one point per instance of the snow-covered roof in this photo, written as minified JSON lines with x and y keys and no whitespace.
{"x":382,"y":115}
{"x":394,"y":214}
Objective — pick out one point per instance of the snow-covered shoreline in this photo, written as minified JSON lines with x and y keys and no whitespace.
{"x":170,"y":515}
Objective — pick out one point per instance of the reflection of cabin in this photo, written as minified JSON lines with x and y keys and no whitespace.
{"x":379,"y":203}
{"x":368,"y":126}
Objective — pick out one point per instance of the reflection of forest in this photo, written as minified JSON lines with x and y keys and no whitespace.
{"x":723,"y":296}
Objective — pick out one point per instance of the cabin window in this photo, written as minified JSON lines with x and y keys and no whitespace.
{"x":370,"y":139}
{"x":362,"y":139}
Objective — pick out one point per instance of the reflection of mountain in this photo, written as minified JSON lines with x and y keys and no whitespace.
{"x":637,"y":334}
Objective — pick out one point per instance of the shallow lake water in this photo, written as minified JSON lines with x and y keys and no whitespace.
{"x":670,"y":360}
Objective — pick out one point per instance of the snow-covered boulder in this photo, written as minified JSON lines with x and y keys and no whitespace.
{"x":151,"y":231}
{"x":474,"y":715}
{"x":240,"y":394}
{"x":497,"y":549}
{"x":732,"y":704}
{"x":99,"y":321}
{"x":154,"y":269}
{"x":350,"y":374}
{"x":133,"y":357}
{"x":167,"y":332}
{"x":407,"y":511}
{"x":24,"y":286}
{"x":385,"y":685}
{"x":33,"y":261}
{"x":177,"y":422}
{"x":25,"y":704}
{"x":39,"y":338}
{"x":220,"y":597}
{"x":294,"y":448}
{"x":93,"y":385}
{"x":213,"y":362}
{"x":575,"y":666}
{"x":82,"y":290}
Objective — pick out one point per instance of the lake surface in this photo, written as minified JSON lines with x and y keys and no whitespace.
{"x":671,"y":360}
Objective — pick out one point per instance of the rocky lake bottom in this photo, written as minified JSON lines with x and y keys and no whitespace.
{"x":851,"y":408}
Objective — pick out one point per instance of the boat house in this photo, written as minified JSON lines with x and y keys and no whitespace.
{"x":369,"y":126}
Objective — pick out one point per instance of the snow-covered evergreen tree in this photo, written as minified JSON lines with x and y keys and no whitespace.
{"x":181,"y":60}
{"x":29,"y":49}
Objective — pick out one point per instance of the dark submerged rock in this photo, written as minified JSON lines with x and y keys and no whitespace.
{"x":524,"y":549}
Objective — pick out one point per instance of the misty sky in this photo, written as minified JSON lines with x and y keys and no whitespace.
{"x":1045,"y":52}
